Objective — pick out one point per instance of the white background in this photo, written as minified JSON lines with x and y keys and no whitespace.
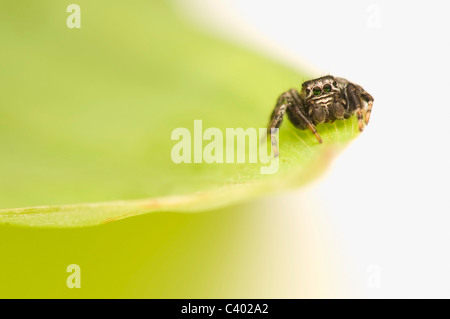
{"x":386,"y":196}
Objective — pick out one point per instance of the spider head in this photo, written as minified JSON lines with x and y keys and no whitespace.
{"x":319,"y":96}
{"x":319,"y":89}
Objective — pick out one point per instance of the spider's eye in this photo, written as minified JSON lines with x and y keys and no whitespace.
{"x":327,"y":88}
{"x":334,"y":84}
{"x":317,"y":91}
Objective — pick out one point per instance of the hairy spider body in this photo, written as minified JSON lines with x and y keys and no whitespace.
{"x":322,"y":100}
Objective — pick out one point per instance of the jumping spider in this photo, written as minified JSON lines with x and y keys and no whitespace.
{"x":322,"y":100}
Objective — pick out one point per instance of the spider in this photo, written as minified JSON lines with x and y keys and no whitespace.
{"x":321,"y":100}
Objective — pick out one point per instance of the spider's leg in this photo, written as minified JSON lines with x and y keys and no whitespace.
{"x":275,"y":121}
{"x":278,"y":113}
{"x":274,"y":124}
{"x":298,"y":112}
{"x":355,"y":100}
{"x":369,"y":99}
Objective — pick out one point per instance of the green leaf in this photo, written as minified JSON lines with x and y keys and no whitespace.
{"x":86,"y":115}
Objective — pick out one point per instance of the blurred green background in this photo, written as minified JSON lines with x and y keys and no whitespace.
{"x":264,"y":250}
{"x":86,"y":116}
